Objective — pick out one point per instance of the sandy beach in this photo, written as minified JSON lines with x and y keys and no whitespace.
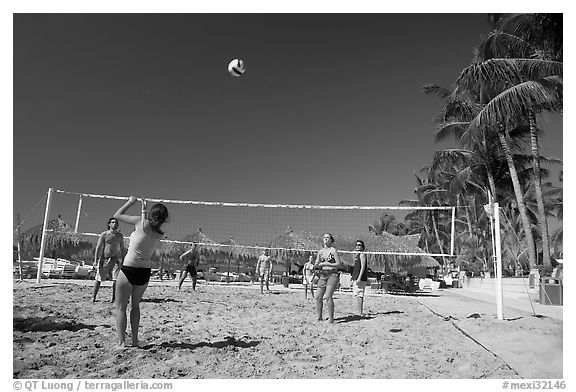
{"x":232,"y":331}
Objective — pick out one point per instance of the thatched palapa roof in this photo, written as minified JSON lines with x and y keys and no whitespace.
{"x":59,"y":235}
{"x":292,"y":244}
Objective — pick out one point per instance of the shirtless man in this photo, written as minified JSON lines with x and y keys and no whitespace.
{"x":193,"y":257}
{"x":110,"y":251}
{"x":264,"y":270}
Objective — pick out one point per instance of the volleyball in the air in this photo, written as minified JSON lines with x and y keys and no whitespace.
{"x":236,"y":67}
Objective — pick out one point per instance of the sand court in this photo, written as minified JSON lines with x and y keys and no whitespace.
{"x":232,"y":331}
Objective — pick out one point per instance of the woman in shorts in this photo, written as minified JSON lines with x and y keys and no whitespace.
{"x":134,"y":275}
{"x":309,"y":277}
{"x":359,"y":276}
{"x":327,"y":262}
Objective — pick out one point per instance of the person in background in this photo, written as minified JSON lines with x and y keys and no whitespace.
{"x":192,"y":258}
{"x":359,"y":276}
{"x":308,"y":271}
{"x":264,"y":270}
{"x":110,"y":251}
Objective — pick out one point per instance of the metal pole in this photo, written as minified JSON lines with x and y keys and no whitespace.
{"x":78,"y":215}
{"x":18,"y":244}
{"x":44,"y":229}
{"x":499,"y":299}
{"x":453,"y":234}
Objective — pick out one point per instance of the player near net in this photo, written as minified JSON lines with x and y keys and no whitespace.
{"x":192,"y":259}
{"x":264,"y":270}
{"x":135,"y":273}
{"x":328,"y":262}
{"x":110,"y":251}
{"x":359,"y":276}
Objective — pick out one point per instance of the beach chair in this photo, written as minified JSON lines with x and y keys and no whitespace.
{"x":48,"y":267}
{"x":65,"y":268}
{"x":345,"y":282}
{"x":376,"y":288}
{"x":425,"y":284}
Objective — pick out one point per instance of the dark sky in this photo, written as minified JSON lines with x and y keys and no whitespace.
{"x":329,"y":110}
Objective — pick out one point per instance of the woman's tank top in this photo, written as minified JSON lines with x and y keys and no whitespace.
{"x":140,"y":249}
{"x":326,"y":255}
{"x":358,"y":267}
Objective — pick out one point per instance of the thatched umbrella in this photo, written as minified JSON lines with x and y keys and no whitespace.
{"x":229,"y":248}
{"x":387,"y":242}
{"x":292,"y":246}
{"x":232,"y":249}
{"x":295,"y":245}
{"x":171,"y":250}
{"x":61,"y":240}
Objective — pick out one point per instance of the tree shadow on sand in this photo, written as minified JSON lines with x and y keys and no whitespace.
{"x":227,"y":342}
{"x":45,"y":324}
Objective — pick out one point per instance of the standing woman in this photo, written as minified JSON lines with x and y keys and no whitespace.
{"x":359,"y":276}
{"x":309,"y":277}
{"x":328,"y":263}
{"x":135,"y":272}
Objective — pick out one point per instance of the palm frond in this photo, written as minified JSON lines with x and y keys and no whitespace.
{"x":517,"y":99}
{"x":543,"y":30}
{"x":500,"y":44}
{"x":452,"y":128}
{"x":489,"y":73}
{"x":437,"y":90}
{"x":501,"y":73}
{"x":538,"y":68}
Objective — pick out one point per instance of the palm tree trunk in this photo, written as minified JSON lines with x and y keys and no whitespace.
{"x":519,"y":199}
{"x":491,"y":181}
{"x":492,"y":184}
{"x":538,"y":187}
{"x":468,"y":217}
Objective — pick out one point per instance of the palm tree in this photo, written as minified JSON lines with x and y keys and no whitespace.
{"x":470,"y":171}
{"x":433,"y":227}
{"x":388,"y":223}
{"x":543,"y":35}
{"x":518,"y":73}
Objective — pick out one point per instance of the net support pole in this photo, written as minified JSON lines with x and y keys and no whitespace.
{"x":78,"y":215}
{"x":498,"y":261}
{"x":453,"y":233}
{"x":44,"y":230}
{"x":18,"y":246}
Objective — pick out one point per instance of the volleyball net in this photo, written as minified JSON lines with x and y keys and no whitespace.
{"x":249,"y":228}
